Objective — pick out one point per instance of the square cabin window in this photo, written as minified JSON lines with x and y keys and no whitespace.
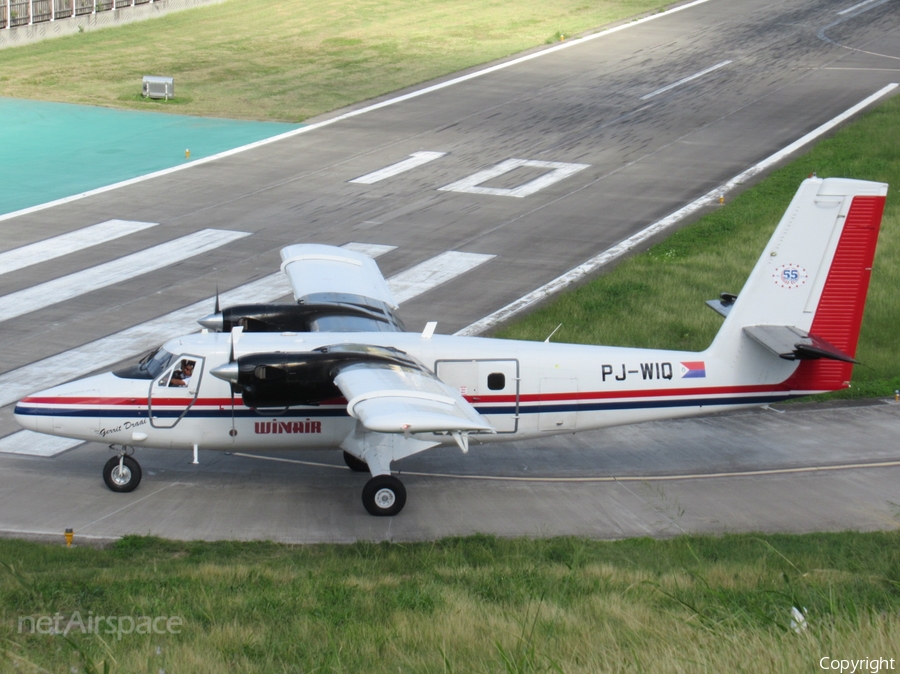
{"x":496,"y":381}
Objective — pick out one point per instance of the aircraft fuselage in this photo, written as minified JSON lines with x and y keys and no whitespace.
{"x":525,"y":390}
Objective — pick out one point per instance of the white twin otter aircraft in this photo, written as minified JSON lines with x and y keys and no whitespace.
{"x":337,"y":370}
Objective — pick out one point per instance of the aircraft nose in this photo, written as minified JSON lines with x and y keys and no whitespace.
{"x":24,"y":416}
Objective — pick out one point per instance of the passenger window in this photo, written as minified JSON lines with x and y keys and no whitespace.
{"x":496,"y":381}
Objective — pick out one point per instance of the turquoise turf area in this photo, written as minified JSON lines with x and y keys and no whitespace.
{"x":54,"y":150}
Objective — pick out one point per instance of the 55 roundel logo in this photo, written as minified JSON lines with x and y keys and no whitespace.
{"x":790,"y":275}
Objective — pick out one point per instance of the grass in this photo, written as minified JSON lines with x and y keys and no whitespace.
{"x":477,"y":604}
{"x":277,"y":60}
{"x":656,"y":299}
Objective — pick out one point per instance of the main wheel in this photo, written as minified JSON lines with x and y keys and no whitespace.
{"x":124,"y":480}
{"x":384,"y":495}
{"x":354,"y":464}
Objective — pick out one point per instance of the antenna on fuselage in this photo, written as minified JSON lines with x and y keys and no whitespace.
{"x":546,"y":341}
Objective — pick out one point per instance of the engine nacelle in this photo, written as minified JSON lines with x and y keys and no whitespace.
{"x":307,"y":378}
{"x":324,"y":312}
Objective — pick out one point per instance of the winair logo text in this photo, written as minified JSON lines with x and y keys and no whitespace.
{"x":275,"y":426}
{"x":646,"y":371}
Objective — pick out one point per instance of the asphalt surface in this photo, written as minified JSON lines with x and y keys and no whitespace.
{"x":825,"y":469}
{"x":649,"y":148}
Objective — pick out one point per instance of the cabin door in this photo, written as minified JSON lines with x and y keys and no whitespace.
{"x":492,"y":386}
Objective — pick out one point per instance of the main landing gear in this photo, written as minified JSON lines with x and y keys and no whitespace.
{"x":354,"y":464}
{"x":122,"y":473}
{"x":384,"y":495}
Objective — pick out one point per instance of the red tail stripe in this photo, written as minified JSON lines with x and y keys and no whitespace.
{"x":839,"y":314}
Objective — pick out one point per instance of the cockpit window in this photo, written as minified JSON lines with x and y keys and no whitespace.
{"x":149,"y":367}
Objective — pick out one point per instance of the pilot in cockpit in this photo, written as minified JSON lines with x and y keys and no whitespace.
{"x":182,"y":376}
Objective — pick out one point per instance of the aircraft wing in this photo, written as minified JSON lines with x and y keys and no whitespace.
{"x":388,"y":398}
{"x":317,"y":272}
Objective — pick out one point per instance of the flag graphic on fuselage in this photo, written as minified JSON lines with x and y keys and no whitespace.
{"x":693,"y":370}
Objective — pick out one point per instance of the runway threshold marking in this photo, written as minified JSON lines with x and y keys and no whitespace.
{"x":72,"y":242}
{"x":354,"y":113}
{"x":36,"y":444}
{"x":110,"y":350}
{"x":685,"y":80}
{"x":434,"y":272}
{"x":415,"y":160}
{"x":606,"y":478}
{"x":556,"y":171}
{"x":107,"y":274}
{"x":624,"y":247}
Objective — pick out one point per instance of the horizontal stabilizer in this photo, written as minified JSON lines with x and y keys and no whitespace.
{"x":793,"y":343}
{"x":723,"y":304}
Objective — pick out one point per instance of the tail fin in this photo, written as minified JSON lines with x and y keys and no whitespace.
{"x":805,"y":297}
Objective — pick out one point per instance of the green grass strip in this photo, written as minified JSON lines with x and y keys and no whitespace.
{"x":477,"y":604}
{"x":656,"y":299}
{"x":279,"y":60}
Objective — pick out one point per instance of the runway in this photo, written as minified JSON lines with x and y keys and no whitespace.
{"x":531,"y":169}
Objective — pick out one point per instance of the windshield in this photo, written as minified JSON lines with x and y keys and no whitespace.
{"x":149,"y":367}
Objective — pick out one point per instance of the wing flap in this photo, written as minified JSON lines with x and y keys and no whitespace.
{"x":393,"y":399}
{"x":315,"y":269}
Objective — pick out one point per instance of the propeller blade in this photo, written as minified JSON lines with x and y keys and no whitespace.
{"x":236,"y":333}
{"x":215,"y":321}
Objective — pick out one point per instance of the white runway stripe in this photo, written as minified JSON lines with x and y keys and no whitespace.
{"x":433,"y":272}
{"x":107,"y":351}
{"x":64,"y":244}
{"x":36,"y":444}
{"x":415,"y":160}
{"x":373,"y":250}
{"x":685,"y":80}
{"x":116,"y":271}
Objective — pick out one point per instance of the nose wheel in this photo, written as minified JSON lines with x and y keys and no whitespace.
{"x":384,"y":495}
{"x":122,"y":473}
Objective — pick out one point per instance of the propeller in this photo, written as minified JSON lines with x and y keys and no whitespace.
{"x":230,"y":370}
{"x":215,"y":321}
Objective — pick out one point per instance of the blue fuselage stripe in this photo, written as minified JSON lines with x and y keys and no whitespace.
{"x":307,"y":412}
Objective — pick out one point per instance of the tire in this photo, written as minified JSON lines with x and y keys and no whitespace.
{"x":128,"y":480}
{"x":384,"y":496}
{"x":354,"y":464}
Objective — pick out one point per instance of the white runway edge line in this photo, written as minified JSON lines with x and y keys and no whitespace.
{"x":107,"y":351}
{"x":103,"y":275}
{"x":354,"y":113}
{"x":72,"y":242}
{"x":856,"y":6}
{"x":685,"y":80}
{"x":415,"y":160}
{"x":631,"y":242}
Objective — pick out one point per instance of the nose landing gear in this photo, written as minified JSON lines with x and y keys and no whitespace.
{"x":122,"y":473}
